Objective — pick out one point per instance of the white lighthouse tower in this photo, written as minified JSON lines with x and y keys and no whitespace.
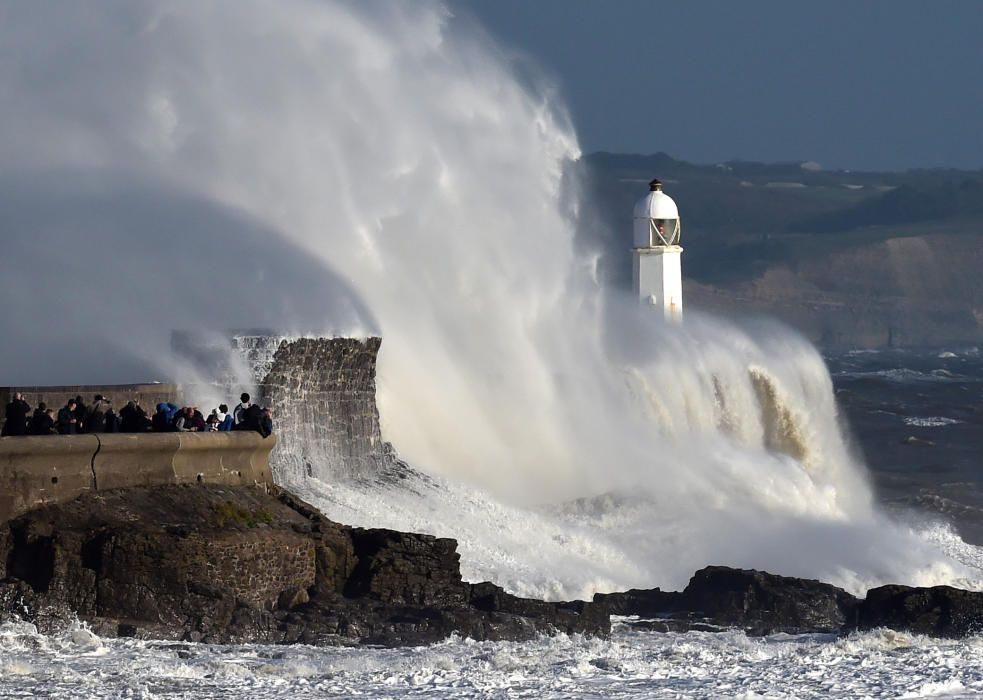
{"x":656,"y":271}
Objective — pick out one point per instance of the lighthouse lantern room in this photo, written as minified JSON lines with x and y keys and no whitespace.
{"x":656,"y":271}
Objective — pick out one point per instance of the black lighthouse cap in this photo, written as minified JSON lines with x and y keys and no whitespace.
{"x":655,"y":185}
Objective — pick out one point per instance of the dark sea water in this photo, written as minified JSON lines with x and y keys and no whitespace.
{"x":917,"y":418}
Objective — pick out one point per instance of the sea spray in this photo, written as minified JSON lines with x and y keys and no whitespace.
{"x":578,"y":443}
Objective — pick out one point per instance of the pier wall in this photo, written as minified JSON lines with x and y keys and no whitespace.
{"x":36,"y":471}
{"x":322,"y":392}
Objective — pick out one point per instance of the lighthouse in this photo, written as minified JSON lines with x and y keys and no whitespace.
{"x":656,"y":271}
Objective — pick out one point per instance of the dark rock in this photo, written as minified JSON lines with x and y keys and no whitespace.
{"x":940,"y":611}
{"x":764,"y":603}
{"x":405,"y":569}
{"x":292,"y":597}
{"x":720,"y":597}
{"x":642,"y":602}
{"x":193,"y":564}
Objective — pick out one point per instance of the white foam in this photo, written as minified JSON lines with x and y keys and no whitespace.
{"x":930,"y":421}
{"x":629,"y":664}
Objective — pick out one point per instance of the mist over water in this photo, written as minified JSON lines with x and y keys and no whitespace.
{"x":377,"y":167}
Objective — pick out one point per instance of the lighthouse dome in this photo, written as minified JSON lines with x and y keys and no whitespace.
{"x":654,"y":207}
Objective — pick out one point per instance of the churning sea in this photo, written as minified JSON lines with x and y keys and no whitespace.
{"x":917,"y":418}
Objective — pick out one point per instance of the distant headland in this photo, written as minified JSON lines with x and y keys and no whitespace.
{"x":851,"y":259}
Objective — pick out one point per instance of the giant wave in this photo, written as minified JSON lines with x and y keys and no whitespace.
{"x":571,"y":442}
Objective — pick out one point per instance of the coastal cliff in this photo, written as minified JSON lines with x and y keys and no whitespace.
{"x":904,"y":291}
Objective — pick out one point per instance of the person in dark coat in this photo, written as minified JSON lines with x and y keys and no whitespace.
{"x":133,"y":419}
{"x":266,"y":423}
{"x":67,"y":420}
{"x":95,"y":421}
{"x":38,"y":412}
{"x":16,"y":416}
{"x":250,"y":420}
{"x":81,"y":413}
{"x":43,"y":422}
{"x":239,"y":412}
{"x":182,"y":421}
{"x":111,"y":423}
{"x":39,"y":421}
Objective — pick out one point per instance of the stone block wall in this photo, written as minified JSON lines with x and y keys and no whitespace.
{"x":257,"y":565}
{"x":322,"y":391}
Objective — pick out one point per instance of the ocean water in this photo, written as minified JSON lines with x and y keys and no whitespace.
{"x":630,"y":664}
{"x":917,"y":415}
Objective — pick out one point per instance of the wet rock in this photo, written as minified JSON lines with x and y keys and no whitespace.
{"x":940,"y":611}
{"x":292,"y":597}
{"x":642,"y":602}
{"x":719,"y":597}
{"x":194,"y":564}
{"x":764,"y":603}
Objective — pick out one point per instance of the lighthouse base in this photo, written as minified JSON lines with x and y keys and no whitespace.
{"x":657,"y":278}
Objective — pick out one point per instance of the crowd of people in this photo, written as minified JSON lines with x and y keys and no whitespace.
{"x":75,"y":417}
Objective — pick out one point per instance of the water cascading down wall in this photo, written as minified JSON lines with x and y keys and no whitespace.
{"x":322,"y":392}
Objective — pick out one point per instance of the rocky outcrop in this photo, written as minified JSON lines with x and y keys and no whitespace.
{"x":718,"y":597}
{"x":759,"y":602}
{"x":648,"y":603}
{"x":235,"y":565}
{"x":940,"y":611}
{"x":764,"y":603}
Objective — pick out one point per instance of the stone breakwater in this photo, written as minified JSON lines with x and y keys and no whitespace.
{"x":218,"y":564}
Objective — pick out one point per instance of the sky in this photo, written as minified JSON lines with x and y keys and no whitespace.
{"x":873,"y":85}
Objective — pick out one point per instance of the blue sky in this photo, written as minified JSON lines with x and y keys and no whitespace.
{"x":878,"y":84}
